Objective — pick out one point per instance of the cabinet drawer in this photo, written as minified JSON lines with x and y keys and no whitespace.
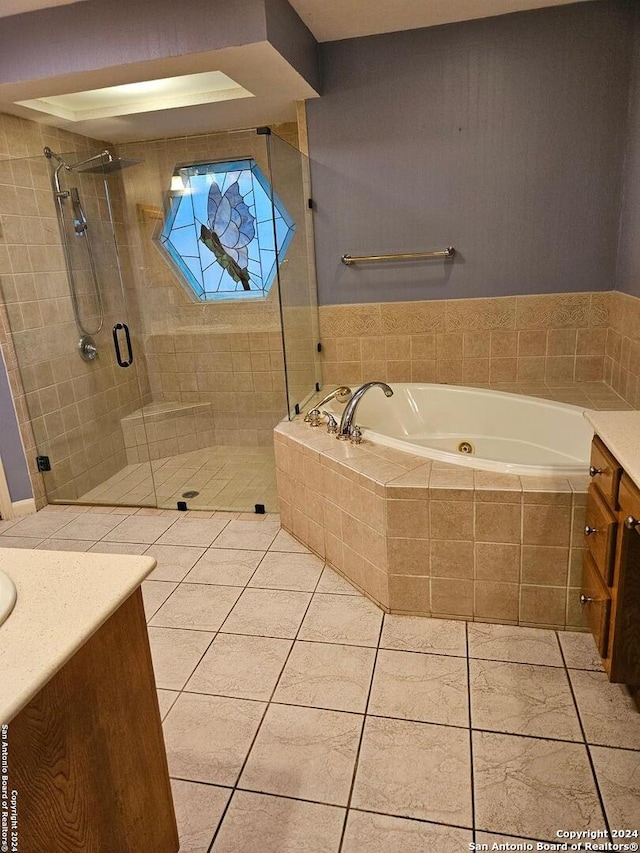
{"x":605,"y":471}
{"x":600,"y":533}
{"x":596,"y":603}
{"x":629,"y":497}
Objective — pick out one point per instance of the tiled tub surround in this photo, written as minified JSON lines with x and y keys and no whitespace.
{"x":292,"y":706}
{"x":557,"y":340}
{"x":427,"y":538}
{"x":622,"y":358}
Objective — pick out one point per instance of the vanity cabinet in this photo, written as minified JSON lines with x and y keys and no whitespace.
{"x":611,"y":571}
{"x":87,"y":755}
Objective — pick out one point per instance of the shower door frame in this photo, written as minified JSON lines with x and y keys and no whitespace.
{"x":61,"y":447}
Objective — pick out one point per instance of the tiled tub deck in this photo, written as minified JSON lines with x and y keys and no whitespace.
{"x":433,"y":539}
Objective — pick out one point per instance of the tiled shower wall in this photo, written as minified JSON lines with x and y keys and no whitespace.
{"x":555,"y":339}
{"x":68,"y":399}
{"x":239,"y":371}
{"x":228,"y":354}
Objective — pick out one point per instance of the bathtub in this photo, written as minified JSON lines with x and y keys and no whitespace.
{"x":508,"y":433}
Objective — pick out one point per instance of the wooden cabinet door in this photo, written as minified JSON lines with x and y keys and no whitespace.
{"x":624,"y":647}
{"x":596,"y":602}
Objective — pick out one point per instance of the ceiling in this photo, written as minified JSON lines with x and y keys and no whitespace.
{"x":267,"y":86}
{"x":331,"y":20}
{"x":16,"y":7}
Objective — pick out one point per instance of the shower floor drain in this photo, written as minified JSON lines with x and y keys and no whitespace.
{"x":191,"y":494}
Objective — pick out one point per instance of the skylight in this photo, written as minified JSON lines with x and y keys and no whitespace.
{"x":146,"y":96}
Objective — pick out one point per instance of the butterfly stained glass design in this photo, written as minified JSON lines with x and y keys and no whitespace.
{"x":224,"y":230}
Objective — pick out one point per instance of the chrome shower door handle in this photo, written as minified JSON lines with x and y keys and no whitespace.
{"x":116,"y":343}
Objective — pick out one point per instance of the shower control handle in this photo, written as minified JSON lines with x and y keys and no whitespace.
{"x":116,"y":343}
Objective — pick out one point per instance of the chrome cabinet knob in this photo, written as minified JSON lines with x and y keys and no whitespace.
{"x":589,"y":531}
{"x":585,"y":599}
{"x":593,"y":472}
{"x":632,"y":523}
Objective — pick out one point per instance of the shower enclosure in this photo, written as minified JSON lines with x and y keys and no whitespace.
{"x":156,"y":368}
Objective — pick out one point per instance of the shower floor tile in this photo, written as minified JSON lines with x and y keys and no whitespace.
{"x":226,"y":478}
{"x":317,"y":718}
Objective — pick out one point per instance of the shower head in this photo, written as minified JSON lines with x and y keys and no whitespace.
{"x":103,"y":162}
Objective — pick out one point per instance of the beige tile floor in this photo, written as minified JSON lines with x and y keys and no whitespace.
{"x":226,"y":477}
{"x":299,"y":718}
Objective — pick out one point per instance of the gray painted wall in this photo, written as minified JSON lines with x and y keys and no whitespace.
{"x":11,"y":450}
{"x":628,"y":272}
{"x":503,"y":137}
{"x":291,"y":37}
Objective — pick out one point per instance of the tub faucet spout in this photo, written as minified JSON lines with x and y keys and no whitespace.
{"x":348,"y":416}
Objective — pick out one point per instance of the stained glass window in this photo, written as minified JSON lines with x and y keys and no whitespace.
{"x":221,"y":232}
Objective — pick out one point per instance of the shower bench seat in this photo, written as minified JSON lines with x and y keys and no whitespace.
{"x":157,"y":429}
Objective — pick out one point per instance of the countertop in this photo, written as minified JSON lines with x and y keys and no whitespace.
{"x":620,"y":431}
{"x":63,"y":598}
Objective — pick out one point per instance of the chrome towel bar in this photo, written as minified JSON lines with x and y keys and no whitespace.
{"x":447,"y":254}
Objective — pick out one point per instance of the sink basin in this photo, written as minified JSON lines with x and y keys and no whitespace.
{"x":7,"y":596}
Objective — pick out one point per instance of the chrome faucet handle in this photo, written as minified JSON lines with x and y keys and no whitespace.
{"x":315,"y":418}
{"x":355,"y":436}
{"x":332,"y":423}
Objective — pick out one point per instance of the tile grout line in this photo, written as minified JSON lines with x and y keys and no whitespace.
{"x":215,"y":633}
{"x":178,"y":583}
{"x":199,"y":661}
{"x":361,"y":738}
{"x":417,"y":820}
{"x":473,"y":787}
{"x":267,"y":705}
{"x":546,"y":739}
{"x":586,"y":743}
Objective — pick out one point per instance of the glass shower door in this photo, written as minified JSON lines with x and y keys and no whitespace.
{"x":290,"y":177}
{"x":205,"y":267}
{"x":73,"y":330}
